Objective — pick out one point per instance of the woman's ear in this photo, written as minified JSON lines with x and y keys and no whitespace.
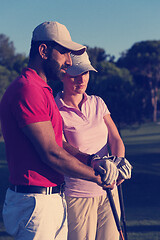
{"x":43,"y":51}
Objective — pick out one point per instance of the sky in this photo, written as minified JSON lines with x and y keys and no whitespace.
{"x":114,"y":25}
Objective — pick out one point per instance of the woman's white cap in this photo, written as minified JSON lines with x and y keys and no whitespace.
{"x":80,"y":64}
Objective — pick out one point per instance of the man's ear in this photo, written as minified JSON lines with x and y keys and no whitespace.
{"x":43,"y":51}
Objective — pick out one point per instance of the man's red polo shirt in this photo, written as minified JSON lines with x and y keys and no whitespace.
{"x":27,"y":100}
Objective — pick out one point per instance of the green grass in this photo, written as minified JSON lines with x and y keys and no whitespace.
{"x":141,"y":193}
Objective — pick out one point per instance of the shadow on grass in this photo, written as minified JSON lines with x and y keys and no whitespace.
{"x":142,"y":189}
{"x":4,"y":234}
{"x":143,"y":135}
{"x":4,"y":182}
{"x":144,"y":228}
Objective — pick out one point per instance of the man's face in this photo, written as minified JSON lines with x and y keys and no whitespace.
{"x":56,"y":64}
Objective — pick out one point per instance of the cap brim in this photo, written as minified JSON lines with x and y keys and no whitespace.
{"x":75,"y":48}
{"x":78,"y":70}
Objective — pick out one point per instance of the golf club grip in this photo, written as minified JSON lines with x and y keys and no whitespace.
{"x":114,"y":210}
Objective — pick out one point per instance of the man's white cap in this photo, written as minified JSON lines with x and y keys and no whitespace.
{"x":54,"y":31}
{"x":80,"y":64}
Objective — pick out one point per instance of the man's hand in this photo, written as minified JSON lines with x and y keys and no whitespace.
{"x":122,"y":164}
{"x":108,"y":171}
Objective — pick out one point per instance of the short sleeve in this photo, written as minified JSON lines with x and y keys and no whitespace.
{"x":29,"y":105}
{"x":103,"y":106}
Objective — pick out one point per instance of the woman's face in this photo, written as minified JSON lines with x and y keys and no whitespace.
{"x":75,"y":84}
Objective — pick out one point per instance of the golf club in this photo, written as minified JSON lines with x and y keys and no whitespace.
{"x":123,"y":217}
{"x":115,"y":214}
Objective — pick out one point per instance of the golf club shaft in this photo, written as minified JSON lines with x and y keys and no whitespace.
{"x":115,"y":214}
{"x":123,"y":217}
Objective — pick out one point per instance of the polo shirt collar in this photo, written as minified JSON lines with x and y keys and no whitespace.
{"x":37,"y":79}
{"x":60,"y":103}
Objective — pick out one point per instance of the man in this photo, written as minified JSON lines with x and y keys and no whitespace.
{"x":34,"y":207}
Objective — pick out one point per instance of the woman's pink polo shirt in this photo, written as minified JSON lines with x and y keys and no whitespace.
{"x":86,"y":130}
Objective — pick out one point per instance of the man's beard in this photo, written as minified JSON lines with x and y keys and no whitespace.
{"x":52,"y":70}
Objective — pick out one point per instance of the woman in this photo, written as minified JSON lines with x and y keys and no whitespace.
{"x":88,"y":126}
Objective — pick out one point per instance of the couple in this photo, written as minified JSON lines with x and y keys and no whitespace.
{"x":38,"y":157}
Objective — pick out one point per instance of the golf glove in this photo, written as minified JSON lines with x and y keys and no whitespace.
{"x":122,"y":164}
{"x":108,"y":171}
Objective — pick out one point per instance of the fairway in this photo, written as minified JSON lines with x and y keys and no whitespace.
{"x":141,"y":193}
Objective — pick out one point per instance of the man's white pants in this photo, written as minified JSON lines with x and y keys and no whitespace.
{"x":35,"y":216}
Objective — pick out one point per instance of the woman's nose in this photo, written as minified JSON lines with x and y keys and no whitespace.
{"x":80,"y":79}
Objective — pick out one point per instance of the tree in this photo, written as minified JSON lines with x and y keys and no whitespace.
{"x":143,"y":61}
{"x":98,"y":58}
{"x":7,"y":52}
{"x":20,"y":61}
{"x":115,"y":86}
{"x":117,"y":89}
{"x":8,"y":57}
{"x":6,"y":77}
{"x":11,"y":63}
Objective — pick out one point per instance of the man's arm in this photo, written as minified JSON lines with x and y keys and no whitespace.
{"x":42,"y":137}
{"x":83,"y":157}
